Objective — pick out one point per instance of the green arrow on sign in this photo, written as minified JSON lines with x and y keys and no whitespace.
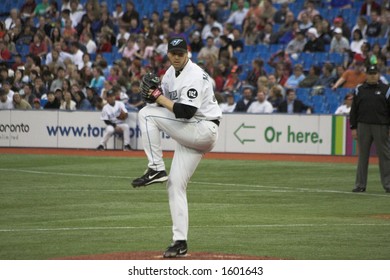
{"x":243,"y":140}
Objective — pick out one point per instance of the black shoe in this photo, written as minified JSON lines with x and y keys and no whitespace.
{"x":150,"y":177}
{"x":387,"y":190}
{"x":177,"y":248}
{"x":359,"y":189}
{"x":127,"y":147}
{"x":100,"y":148}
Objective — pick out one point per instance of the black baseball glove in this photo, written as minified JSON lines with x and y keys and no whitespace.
{"x":150,"y":87}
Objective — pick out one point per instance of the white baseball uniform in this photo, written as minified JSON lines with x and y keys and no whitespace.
{"x":194,"y":136}
{"x":110,"y":113}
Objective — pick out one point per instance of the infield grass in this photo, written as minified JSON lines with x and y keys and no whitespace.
{"x":57,"y":206}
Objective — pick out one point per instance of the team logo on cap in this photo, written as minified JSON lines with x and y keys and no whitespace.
{"x":192,"y":93}
{"x":176,"y":42}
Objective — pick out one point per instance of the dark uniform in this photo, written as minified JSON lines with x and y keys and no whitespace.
{"x":370,"y":115}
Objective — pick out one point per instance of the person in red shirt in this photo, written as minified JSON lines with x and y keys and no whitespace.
{"x":5,"y":54}
{"x":38,"y":46}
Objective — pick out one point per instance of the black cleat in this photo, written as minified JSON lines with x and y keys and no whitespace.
{"x":100,"y":148}
{"x":359,"y":189}
{"x":150,"y":177}
{"x":176,"y":249}
{"x":127,"y":147}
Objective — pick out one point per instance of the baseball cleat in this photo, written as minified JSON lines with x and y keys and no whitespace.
{"x":359,"y":189}
{"x":100,"y":148}
{"x":176,"y":249}
{"x":127,"y":147}
{"x":150,"y":177}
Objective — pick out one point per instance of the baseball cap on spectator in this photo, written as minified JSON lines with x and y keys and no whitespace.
{"x":338,"y":30}
{"x":313,"y":31}
{"x":58,"y":88}
{"x":372,"y":69}
{"x":36,"y":100}
{"x":177,"y":44}
{"x":338,"y":20}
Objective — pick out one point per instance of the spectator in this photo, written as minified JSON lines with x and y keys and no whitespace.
{"x":292,"y":105}
{"x":375,"y":26}
{"x":41,"y":9}
{"x":67,"y":103}
{"x":309,"y":10}
{"x":256,"y":71}
{"x":275,"y":97}
{"x":77,"y":55}
{"x":385,"y":29}
{"x":20,"y":103}
{"x":246,"y":100}
{"x":176,"y":14}
{"x":209,"y":49}
{"x":233,"y":82}
{"x":130,"y":49}
{"x":281,"y":14}
{"x":226,"y":49}
{"x":326,"y":79}
{"x":38,"y":46}
{"x":52,"y":102}
{"x":346,"y":107}
{"x":281,"y":57}
{"x":297,"y":44}
{"x":368,"y":7}
{"x":11,"y":20}
{"x":27,"y":8}
{"x":352,"y":77}
{"x":297,"y":76}
{"x":339,"y":22}
{"x":37,"y":104}
{"x":305,"y":23}
{"x":5,"y":101}
{"x":357,"y":41}
{"x":117,"y":14}
{"x":229,"y":105}
{"x":314,"y":43}
{"x":114,"y":114}
{"x":361,"y":24}
{"x":261,"y":105}
{"x":311,"y":78}
{"x":135,"y":101}
{"x":82,"y":103}
{"x":89,"y":43}
{"x":237,"y":17}
{"x":211,"y":22}
{"x":339,"y":43}
{"x":5,"y":54}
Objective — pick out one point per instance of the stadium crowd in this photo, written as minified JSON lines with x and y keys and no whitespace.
{"x":261,"y":54}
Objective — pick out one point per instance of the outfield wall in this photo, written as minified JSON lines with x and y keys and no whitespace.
{"x":242,"y":133}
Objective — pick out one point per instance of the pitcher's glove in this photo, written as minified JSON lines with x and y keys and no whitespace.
{"x":150,"y":87}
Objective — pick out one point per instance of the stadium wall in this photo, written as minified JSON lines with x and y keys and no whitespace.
{"x":241,"y":133}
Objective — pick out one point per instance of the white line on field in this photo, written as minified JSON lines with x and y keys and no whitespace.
{"x":240,"y":186}
{"x":206,"y":226}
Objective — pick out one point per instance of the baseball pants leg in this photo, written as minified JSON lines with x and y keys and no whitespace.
{"x":364,"y":141}
{"x":382,"y":144}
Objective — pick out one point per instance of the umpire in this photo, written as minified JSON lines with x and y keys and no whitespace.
{"x":370,"y":121}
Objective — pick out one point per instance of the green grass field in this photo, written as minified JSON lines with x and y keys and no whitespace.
{"x":58,"y":206}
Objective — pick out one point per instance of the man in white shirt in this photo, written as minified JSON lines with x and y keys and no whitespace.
{"x":237,"y":17}
{"x":5,"y":102}
{"x":261,"y":105}
{"x":229,"y":105}
{"x":77,"y":57}
{"x":211,"y":22}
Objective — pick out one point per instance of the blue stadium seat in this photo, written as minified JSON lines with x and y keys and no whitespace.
{"x":303,"y":94}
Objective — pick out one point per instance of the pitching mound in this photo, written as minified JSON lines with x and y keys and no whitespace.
{"x":158,"y":256}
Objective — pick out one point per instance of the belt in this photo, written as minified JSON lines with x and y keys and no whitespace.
{"x":215,"y":121}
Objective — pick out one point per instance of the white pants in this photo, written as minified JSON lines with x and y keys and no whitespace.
{"x":194,"y":138}
{"x":110,"y":130}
